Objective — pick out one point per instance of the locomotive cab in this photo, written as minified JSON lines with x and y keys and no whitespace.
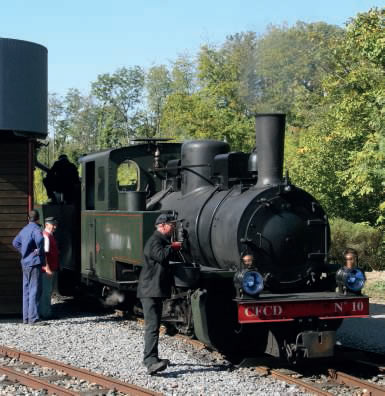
{"x":115,"y":222}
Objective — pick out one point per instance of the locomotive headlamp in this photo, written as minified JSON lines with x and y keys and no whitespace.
{"x":352,"y":280}
{"x":249,"y":282}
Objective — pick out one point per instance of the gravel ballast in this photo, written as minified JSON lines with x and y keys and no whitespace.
{"x":113,"y":346}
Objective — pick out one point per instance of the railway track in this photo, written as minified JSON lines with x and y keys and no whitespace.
{"x":37,"y":372}
{"x":337,"y":382}
{"x":352,"y":372}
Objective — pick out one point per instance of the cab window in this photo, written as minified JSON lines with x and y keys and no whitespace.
{"x":127,"y":178}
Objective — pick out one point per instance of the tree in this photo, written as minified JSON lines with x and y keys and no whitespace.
{"x":55,"y":112}
{"x":119,"y":95}
{"x":217,"y":108}
{"x":342,"y":157}
{"x":183,"y":75}
{"x":158,"y":84}
{"x":241,"y":53}
{"x":290,"y":65}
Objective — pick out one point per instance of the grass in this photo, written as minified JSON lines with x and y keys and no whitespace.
{"x":375,"y":286}
{"x":375,"y":290}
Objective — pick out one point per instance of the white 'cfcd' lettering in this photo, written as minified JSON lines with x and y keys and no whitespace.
{"x":264,"y":310}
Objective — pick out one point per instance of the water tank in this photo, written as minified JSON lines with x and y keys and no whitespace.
{"x":23,"y":87}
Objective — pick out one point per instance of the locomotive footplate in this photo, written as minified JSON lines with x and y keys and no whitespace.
{"x":288,"y":307}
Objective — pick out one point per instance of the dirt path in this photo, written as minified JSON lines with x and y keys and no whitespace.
{"x":375,"y":276}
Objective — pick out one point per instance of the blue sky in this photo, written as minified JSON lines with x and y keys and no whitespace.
{"x":86,"y":38}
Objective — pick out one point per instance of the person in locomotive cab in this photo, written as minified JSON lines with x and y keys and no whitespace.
{"x":350,"y":278}
{"x":350,"y":258}
{"x":30,"y":244}
{"x":50,"y":268}
{"x":155,"y":283}
{"x":63,"y":178}
{"x":248,"y":260}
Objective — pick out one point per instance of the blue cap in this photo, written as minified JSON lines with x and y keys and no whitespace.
{"x":50,"y":220}
{"x":165,"y":218}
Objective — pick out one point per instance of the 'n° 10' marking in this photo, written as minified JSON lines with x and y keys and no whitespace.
{"x":358,"y":306}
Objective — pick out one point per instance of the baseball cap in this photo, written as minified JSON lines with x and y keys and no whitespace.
{"x":50,"y":220}
{"x":165,"y":218}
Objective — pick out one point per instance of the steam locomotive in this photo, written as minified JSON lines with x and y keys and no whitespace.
{"x":228,"y":204}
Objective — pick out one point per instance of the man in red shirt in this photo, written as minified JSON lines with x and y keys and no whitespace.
{"x":50,"y":269}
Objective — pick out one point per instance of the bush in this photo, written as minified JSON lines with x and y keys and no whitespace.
{"x":39,"y":189}
{"x":375,"y":289}
{"x":367,"y":240}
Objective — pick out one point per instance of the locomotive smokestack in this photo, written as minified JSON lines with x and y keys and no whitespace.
{"x":270,"y":133}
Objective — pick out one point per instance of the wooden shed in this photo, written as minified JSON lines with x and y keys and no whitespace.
{"x":23,"y":120}
{"x":15,"y":201}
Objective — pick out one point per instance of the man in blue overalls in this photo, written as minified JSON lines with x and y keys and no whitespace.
{"x":30,"y":243}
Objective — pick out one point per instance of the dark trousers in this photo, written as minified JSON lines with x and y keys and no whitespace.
{"x":152,"y":311}
{"x":31,"y":293}
{"x":47,"y":282}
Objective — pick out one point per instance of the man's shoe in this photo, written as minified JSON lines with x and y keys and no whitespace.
{"x":38,"y":323}
{"x":166,"y":361}
{"x":51,"y":317}
{"x":156,"y":367}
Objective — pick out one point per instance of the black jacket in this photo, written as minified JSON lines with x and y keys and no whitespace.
{"x":155,"y":278}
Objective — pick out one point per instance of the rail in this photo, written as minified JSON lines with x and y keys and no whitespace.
{"x":34,"y":382}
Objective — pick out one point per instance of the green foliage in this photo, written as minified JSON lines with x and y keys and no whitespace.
{"x":228,"y":73}
{"x":158,"y":84}
{"x":73,"y":122}
{"x":108,"y":117}
{"x":38,"y":187}
{"x":119,"y":95}
{"x":330,"y":81}
{"x":290,"y":64}
{"x":197,"y":116}
{"x":219,"y":108}
{"x":341,"y":156}
{"x":249,"y":74}
{"x":127,"y":176}
{"x":183,"y":75}
{"x":375,"y":289}
{"x":368,"y":241}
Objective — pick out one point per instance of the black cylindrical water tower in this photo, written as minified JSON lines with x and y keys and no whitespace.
{"x":23,"y":119}
{"x":24,"y":92}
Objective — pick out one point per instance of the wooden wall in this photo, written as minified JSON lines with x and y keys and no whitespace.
{"x":15,"y":199}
